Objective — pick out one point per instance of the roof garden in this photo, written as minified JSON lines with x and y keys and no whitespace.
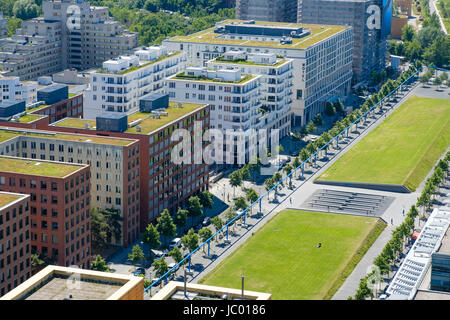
{"x":27,"y":118}
{"x":317,"y":34}
{"x":37,"y":167}
{"x":145,"y":63}
{"x":6,"y":198}
{"x":278,"y":63}
{"x":183,"y":76}
{"x":9,"y":133}
{"x":75,"y":123}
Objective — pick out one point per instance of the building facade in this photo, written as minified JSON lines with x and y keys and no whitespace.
{"x":12,"y":89}
{"x":266,"y":10}
{"x":118,"y":86}
{"x":15,"y":240}
{"x":114,"y":168}
{"x":276,"y":84}
{"x":88,"y":35}
{"x":322,"y":56}
{"x":370,"y":40}
{"x":59,"y":206}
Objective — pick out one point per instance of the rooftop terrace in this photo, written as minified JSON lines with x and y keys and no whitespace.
{"x":37,"y":168}
{"x":9,"y":133}
{"x":318,"y":33}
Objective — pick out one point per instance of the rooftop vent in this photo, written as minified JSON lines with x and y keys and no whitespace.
{"x":138,"y":129}
{"x":86,"y":125}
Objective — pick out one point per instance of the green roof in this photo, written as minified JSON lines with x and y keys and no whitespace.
{"x":6,"y":198}
{"x":147,"y":123}
{"x":318,"y":33}
{"x":182,"y":76}
{"x":37,"y":167}
{"x":278,"y":63}
{"x":9,"y":134}
{"x":27,"y":118}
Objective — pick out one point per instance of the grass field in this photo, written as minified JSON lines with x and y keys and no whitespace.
{"x":402,"y":149}
{"x":282,"y":259}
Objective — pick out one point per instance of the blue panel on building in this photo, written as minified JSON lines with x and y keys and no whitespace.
{"x":53,"y":94}
{"x":113,"y":122}
{"x":10,"y":108}
{"x":153,"y":101}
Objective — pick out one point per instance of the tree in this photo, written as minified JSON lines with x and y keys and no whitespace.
{"x":99,"y":264}
{"x":269,"y":183}
{"x":408,"y":33}
{"x":35,"y":260}
{"x":206,"y":199}
{"x":251,"y":195}
{"x":311,"y":127}
{"x":235,"y":180}
{"x":152,"y":5}
{"x":296,"y":162}
{"x":190,"y":240}
{"x":304,"y":155}
{"x":165,"y":225}
{"x":217,"y":223}
{"x":113,"y":219}
{"x":180,"y":218}
{"x":437,"y":81}
{"x":245,"y":173}
{"x":13,"y":24}
{"x":205,"y":234}
{"x":176,"y":254}
{"x":151,"y":237}
{"x":317,"y":120}
{"x":288,"y":169}
{"x":426,"y":36}
{"x":136,"y":255}
{"x":439,"y":52}
{"x":160,"y":266}
{"x":339,"y":106}
{"x":330,"y":109}
{"x":99,"y":229}
{"x":240,"y":203}
{"x":230,"y":215}
{"x":194,"y":207}
{"x":25,"y":9}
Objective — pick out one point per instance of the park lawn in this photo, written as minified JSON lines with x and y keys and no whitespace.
{"x":401,"y":150}
{"x":282,"y":259}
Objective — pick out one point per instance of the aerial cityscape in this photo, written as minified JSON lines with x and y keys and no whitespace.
{"x":239,"y":150}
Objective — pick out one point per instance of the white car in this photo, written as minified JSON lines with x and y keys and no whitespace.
{"x":175,"y":243}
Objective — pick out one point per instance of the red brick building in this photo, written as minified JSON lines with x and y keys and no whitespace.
{"x":15,"y":241}
{"x":59,"y":206}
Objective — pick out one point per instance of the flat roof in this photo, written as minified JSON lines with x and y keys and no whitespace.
{"x":278,"y":63}
{"x":27,"y":118}
{"x":147,"y":123}
{"x":7,"y":133}
{"x":318,"y":33}
{"x":63,"y":283}
{"x":142,"y":64}
{"x":7,"y":197}
{"x":38,"y":167}
{"x":244,"y":78}
{"x":431,"y":295}
{"x":445,"y":244}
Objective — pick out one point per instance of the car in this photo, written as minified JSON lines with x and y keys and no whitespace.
{"x":206,"y":221}
{"x":138,"y":272}
{"x":175,"y":243}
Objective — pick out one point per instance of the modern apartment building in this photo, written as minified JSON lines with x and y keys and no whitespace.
{"x":12,"y":89}
{"x":15,"y":240}
{"x":35,"y":50}
{"x":118,"y":86}
{"x":370,"y":40}
{"x":59,"y":206}
{"x":114,"y":167}
{"x":3,"y":26}
{"x":163,"y":184}
{"x":440,"y":266}
{"x":235,"y":101}
{"x":88,"y":35}
{"x":321,"y":54}
{"x":276,"y":84}
{"x":266,"y":10}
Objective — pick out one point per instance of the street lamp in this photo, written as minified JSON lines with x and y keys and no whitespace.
{"x":186,"y":273}
{"x":242,"y":295}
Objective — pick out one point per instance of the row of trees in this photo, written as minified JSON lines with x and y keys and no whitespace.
{"x":442,"y":78}
{"x":395,"y":246}
{"x":326,"y":136}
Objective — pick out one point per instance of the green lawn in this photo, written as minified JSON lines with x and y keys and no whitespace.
{"x":282,"y":259}
{"x":402,"y":149}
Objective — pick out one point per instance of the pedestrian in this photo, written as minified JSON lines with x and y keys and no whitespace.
{"x":290,"y":199}
{"x":392,"y":221}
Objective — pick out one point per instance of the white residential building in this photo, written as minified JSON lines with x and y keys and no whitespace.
{"x":12,"y":89}
{"x":235,"y":102}
{"x":276,"y":84}
{"x":121,"y":82}
{"x":322,"y":56}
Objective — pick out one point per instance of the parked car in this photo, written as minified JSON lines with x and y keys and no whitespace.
{"x":138,"y":272}
{"x":206,"y":221}
{"x":175,"y":243}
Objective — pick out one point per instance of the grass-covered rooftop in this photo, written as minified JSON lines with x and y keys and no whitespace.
{"x":37,"y":167}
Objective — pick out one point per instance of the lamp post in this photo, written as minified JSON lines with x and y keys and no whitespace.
{"x":242,"y":295}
